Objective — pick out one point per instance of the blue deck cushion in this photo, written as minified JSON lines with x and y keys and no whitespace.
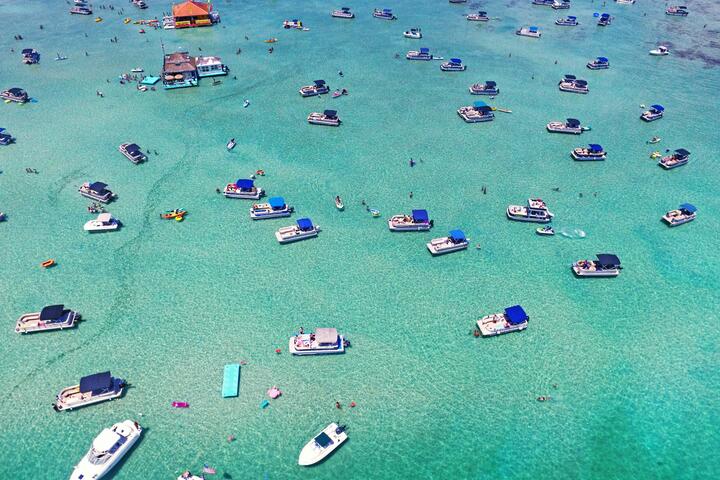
{"x":330,"y":113}
{"x":595,"y":148}
{"x":52,"y":312}
{"x":424,"y":50}
{"x":319,"y":83}
{"x":457,"y":236}
{"x":657,"y":108}
{"x":516,"y":315}
{"x":681,"y":153}
{"x":323,"y":440}
{"x":345,"y":9}
{"x":479,"y":104}
{"x":99,"y":382}
{"x":581,"y":83}
{"x":689,"y":208}
{"x":244,"y":184}
{"x":420,"y":216}
{"x":305,"y":224}
{"x":455,"y":60}
{"x":602,"y":60}
{"x":387,"y":10}
{"x":573,"y":122}
{"x":98,"y":187}
{"x":133,"y":149}
{"x":276,"y":203}
{"x":18,"y":92}
{"x":571,"y":17}
{"x":27,"y":51}
{"x":608,"y":260}
{"x":567,"y":76}
{"x":490,"y":84}
{"x":482,"y":14}
{"x":533,"y":29}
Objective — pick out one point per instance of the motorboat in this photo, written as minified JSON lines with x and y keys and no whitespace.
{"x":319,"y":87}
{"x":30,"y":56}
{"x":413,"y":33}
{"x":660,"y":51}
{"x":274,"y":208}
{"x":137,"y":70}
{"x":81,"y":10}
{"x":543,"y":3}
{"x":107,"y":450}
{"x":243,"y":188}
{"x":339,"y":203}
{"x":454,"y":242}
{"x":294,"y":23}
{"x":303,"y":229}
{"x":600,"y":63}
{"x":92,"y":389}
{"x":422,"y":54}
{"x":572,"y":84}
{"x":477,"y":112}
{"x":5,"y":138}
{"x":535,"y":211}
{"x":677,"y":11}
{"x":683,"y":214}
{"x":96,"y":191}
{"x":453,"y":65}
{"x":678,"y":158}
{"x":417,"y":221}
{"x":560,"y":4}
{"x":231,"y":144}
{"x":592,"y":152}
{"x":246,"y":103}
{"x":606,"y":265}
{"x":59,"y":57}
{"x":52,"y":317}
{"x":187,"y":475}
{"x":625,"y":2}
{"x":547,"y":230}
{"x":140,"y":4}
{"x":477,"y":17}
{"x":384,"y":14}
{"x":533,"y":32}
{"x":569,"y":21}
{"x":132,"y":152}
{"x":571,"y":125}
{"x":487,"y":88}
{"x":15,"y":94}
{"x":344,"y":12}
{"x":322,"y":445}
{"x":655,"y":112}
{"x":104,"y":222}
{"x":323,"y":341}
{"x":339,"y":93}
{"x":513,"y":319}
{"x":328,"y":117}
{"x":604,"y":20}
{"x":457,"y":1}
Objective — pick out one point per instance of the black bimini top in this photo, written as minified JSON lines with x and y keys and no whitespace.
{"x":52,"y":312}
{"x":96,"y":383}
{"x":608,"y":260}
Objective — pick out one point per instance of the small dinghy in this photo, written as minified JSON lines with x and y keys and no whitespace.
{"x":246,"y":103}
{"x":547,"y":230}
{"x":60,"y":57}
{"x":137,"y":70}
{"x":374,"y":212}
{"x":231,"y":144}
{"x":322,"y":445}
{"x":274,"y":392}
{"x":339,"y":203}
{"x":654,"y":140}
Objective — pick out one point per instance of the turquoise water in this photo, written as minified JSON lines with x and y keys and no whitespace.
{"x":166,"y":305}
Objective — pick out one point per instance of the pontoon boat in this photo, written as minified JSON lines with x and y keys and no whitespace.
{"x":606,"y":265}
{"x":683,"y":214}
{"x":319,"y":87}
{"x":487,"y":88}
{"x":677,"y":159}
{"x":535,"y":211}
{"x":323,"y":341}
{"x":92,"y":389}
{"x":455,"y":241}
{"x":52,"y":317}
{"x":96,"y":191}
{"x":275,"y":208}
{"x":416,"y":222}
{"x":592,"y":152}
{"x":243,"y":188}
{"x":132,"y":152}
{"x":328,"y":117}
{"x":478,"y":112}
{"x":514,"y":319}
{"x":303,"y":230}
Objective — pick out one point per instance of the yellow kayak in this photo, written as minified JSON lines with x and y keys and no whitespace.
{"x":98,"y":19}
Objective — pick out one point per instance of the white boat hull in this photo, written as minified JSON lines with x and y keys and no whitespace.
{"x":244,"y":195}
{"x":489,"y":326}
{"x":88,"y":471}
{"x":339,"y":348}
{"x":441,"y":248}
{"x":30,"y":322}
{"x":312,"y":453}
{"x":294,"y":234}
{"x":582,"y":272}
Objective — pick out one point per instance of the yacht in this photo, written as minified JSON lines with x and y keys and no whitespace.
{"x":243,"y":188}
{"x":478,"y":17}
{"x":592,"y":152}
{"x":323,"y":341}
{"x":422,"y":54}
{"x":92,"y":389}
{"x":418,"y":221}
{"x":413,"y":33}
{"x":569,"y":21}
{"x":478,"y":112}
{"x":15,"y":94}
{"x":677,"y":11}
{"x":560,"y":4}
{"x":600,"y":63}
{"x":5,"y":138}
{"x":683,"y":214}
{"x":328,"y":117}
{"x":535,"y":211}
{"x":453,"y":65}
{"x":319,"y":87}
{"x":344,"y":12}
{"x":52,"y":317}
{"x":294,"y":23}
{"x":322,"y":445}
{"x":533,"y":32}
{"x":275,"y":208}
{"x":572,"y":84}
{"x":107,"y":450}
{"x":96,"y":191}
{"x":103,"y":223}
{"x":677,"y":159}
{"x":604,"y":20}
{"x":655,"y":112}
{"x":132,"y":152}
{"x":514,"y":319}
{"x":384,"y":14}
{"x":304,"y":229}
{"x":571,"y":125}
{"x":487,"y":88}
{"x":455,"y":241}
{"x":606,"y":265}
{"x":30,"y":56}
{"x":660,"y":51}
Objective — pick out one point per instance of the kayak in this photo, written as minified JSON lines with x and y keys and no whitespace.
{"x":177,"y":213}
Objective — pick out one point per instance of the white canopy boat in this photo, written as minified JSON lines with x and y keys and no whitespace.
{"x":103,"y":223}
{"x":606,"y":265}
{"x":455,"y":241}
{"x":514,"y":319}
{"x":416,"y":222}
{"x":243,"y":188}
{"x":322,"y":445}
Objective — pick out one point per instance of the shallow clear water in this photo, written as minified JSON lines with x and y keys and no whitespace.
{"x":166,"y":304}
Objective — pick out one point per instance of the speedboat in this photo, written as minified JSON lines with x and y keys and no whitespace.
{"x":243,"y":188}
{"x":606,"y":265}
{"x":319,"y":87}
{"x":600,"y":63}
{"x":655,"y":112}
{"x":323,"y":341}
{"x":560,"y":4}
{"x":478,"y":17}
{"x":455,"y":241}
{"x":302,"y":230}
{"x":103,"y":223}
{"x":81,"y":10}
{"x":6,"y":138}
{"x":52,"y":317}
{"x":514,"y":319}
{"x":535,"y":211}
{"x":533,"y":32}
{"x":275,"y":208}
{"x":246,"y":103}
{"x":604,"y":20}
{"x":96,"y":191}
{"x":15,"y":94}
{"x":187,"y":475}
{"x":677,"y":11}
{"x":547,"y":230}
{"x":487,"y":88}
{"x":132,"y":152}
{"x":322,"y":445}
{"x":344,"y":12}
{"x":413,"y":33}
{"x":140,"y":4}
{"x":328,"y":117}
{"x":339,"y":203}
{"x":418,"y":221}
{"x":30,"y":56}
{"x":660,"y":51}
{"x":569,"y":21}
{"x":384,"y":14}
{"x":592,"y":152}
{"x":572,"y":84}
{"x":677,"y":159}
{"x":571,"y":125}
{"x":478,"y":112}
{"x":107,"y":450}
{"x":95,"y":388}
{"x":231,"y":144}
{"x":294,"y":23}
{"x":453,"y":65}
{"x":137,"y":70}
{"x":683,"y":214}
{"x":422,"y":54}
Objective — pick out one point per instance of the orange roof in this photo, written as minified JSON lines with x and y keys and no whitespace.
{"x":191,"y":9}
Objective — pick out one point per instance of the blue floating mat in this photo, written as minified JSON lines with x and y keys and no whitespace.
{"x":150,"y":80}
{"x":231,"y":380}
{"x":264,"y":404}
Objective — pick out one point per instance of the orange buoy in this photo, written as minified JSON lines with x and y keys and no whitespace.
{"x":48,"y":263}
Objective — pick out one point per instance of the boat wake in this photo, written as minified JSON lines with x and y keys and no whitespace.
{"x":572,"y":233}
